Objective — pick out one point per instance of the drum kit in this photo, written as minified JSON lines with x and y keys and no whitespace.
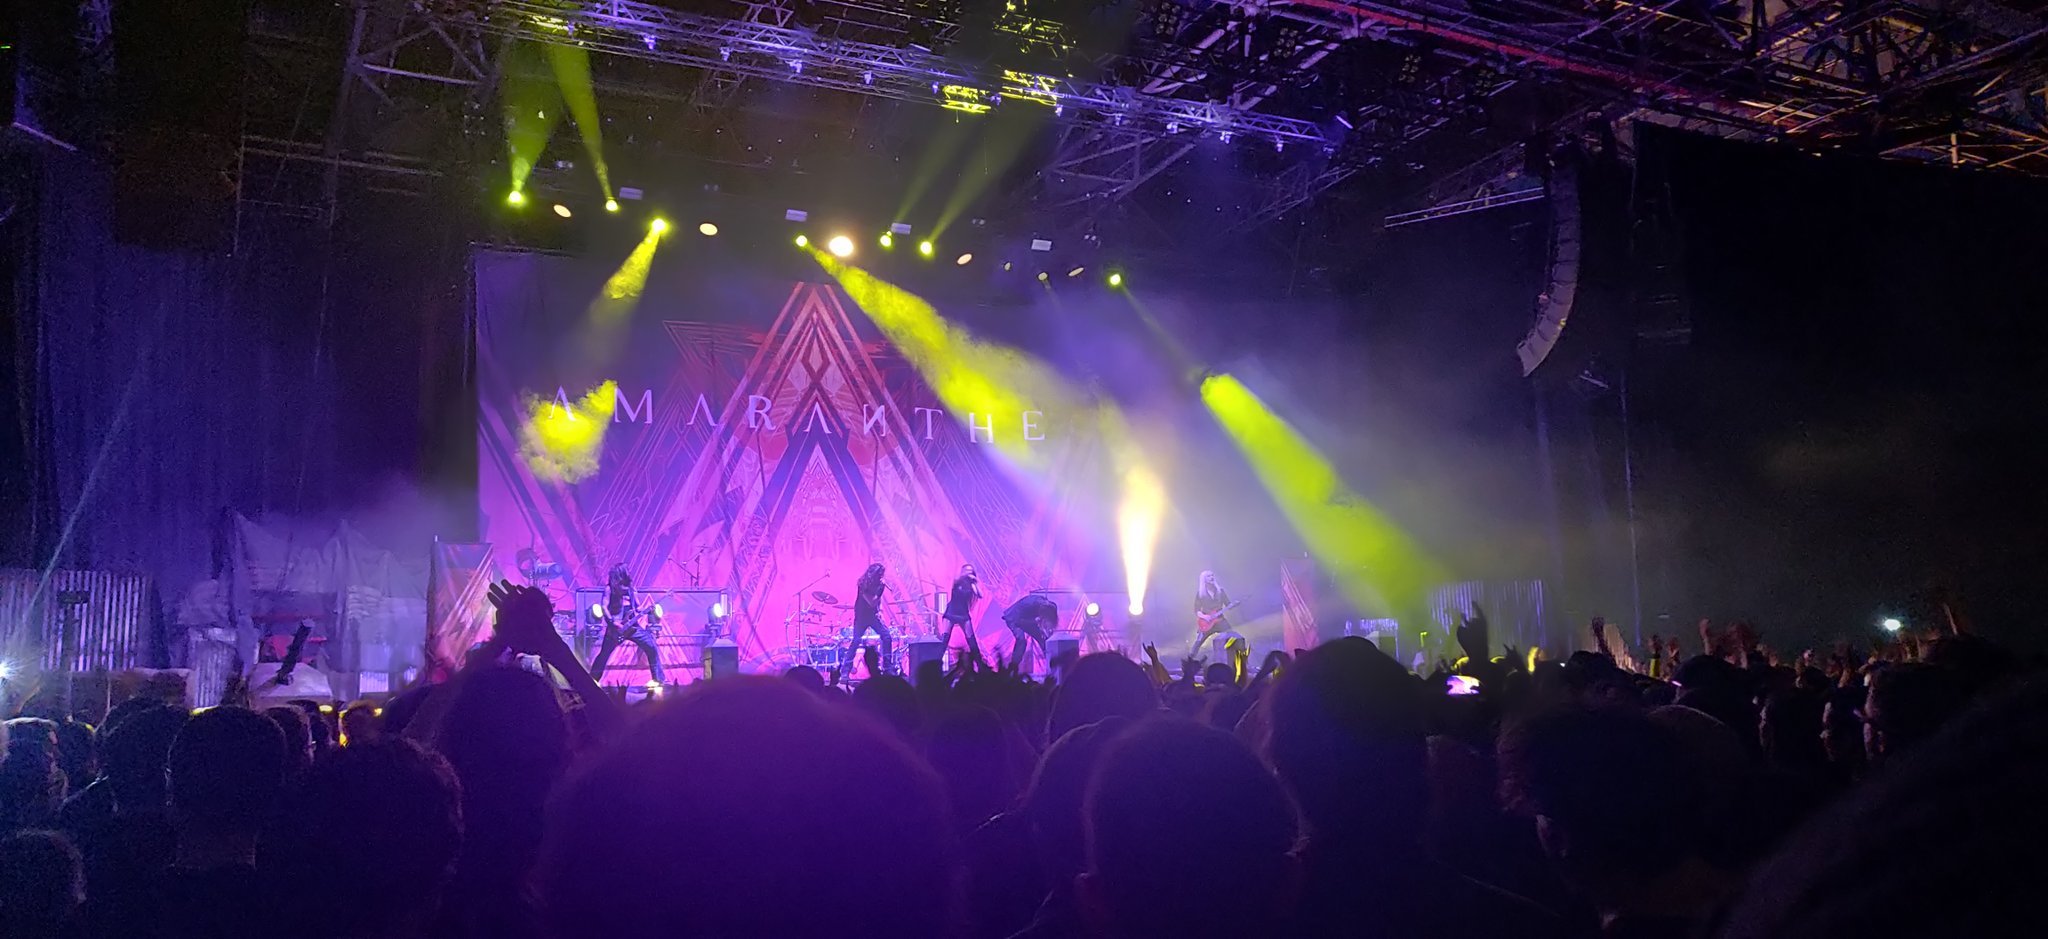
{"x":822,"y":629}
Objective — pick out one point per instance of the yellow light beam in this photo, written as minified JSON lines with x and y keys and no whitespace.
{"x":970,"y":376}
{"x":604,"y":322}
{"x":532,"y":103}
{"x":1375,"y":565}
{"x":561,"y":440}
{"x":974,"y":377}
{"x":571,"y":65}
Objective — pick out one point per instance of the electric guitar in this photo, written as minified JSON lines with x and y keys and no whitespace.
{"x":1205,"y":621}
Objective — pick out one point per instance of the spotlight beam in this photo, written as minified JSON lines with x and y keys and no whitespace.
{"x":571,"y":65}
{"x":1374,"y":563}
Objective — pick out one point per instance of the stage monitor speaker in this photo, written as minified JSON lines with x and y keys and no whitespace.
{"x":721,"y":659}
{"x":1063,"y":645}
{"x":926,"y":650}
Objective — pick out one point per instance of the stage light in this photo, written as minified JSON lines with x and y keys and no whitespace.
{"x":707,"y":229}
{"x":964,"y":259}
{"x":1044,"y":277}
{"x":1137,"y":608}
{"x":926,"y":248}
{"x":563,"y":210}
{"x":1076,"y":272}
{"x":597,"y":611}
{"x":718,"y":610}
{"x":840,"y":246}
{"x":1092,"y":609}
{"x":1892,"y":624}
{"x":1116,"y":279}
{"x":515,"y":198}
{"x":658,"y":226}
{"x":611,"y":205}
{"x":888,"y":240}
{"x":1041,"y":244}
{"x":6,"y":671}
{"x":803,"y":241}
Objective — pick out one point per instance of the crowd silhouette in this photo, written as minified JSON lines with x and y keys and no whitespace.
{"x":1724,"y":790}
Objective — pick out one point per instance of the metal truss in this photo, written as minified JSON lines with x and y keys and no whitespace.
{"x":1902,"y":78}
{"x":768,"y":51}
{"x":1961,"y":83}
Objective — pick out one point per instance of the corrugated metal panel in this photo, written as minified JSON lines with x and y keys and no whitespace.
{"x":107,"y":616}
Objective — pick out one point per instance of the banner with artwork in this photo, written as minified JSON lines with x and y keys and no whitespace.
{"x":759,"y":438}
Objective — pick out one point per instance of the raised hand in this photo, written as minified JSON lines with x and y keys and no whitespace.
{"x":526,"y":619}
{"x":1474,"y":634}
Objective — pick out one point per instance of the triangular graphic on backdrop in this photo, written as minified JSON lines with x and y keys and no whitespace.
{"x":840,"y":475}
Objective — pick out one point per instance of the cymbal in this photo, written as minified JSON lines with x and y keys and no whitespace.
{"x":825,"y":598}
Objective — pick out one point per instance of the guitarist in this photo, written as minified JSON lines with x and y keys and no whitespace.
{"x":1212,"y":604}
{"x":625,"y":621}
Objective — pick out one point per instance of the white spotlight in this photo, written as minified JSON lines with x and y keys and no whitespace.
{"x":840,"y":246}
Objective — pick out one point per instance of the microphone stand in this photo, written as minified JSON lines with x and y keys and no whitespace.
{"x":801,"y":592}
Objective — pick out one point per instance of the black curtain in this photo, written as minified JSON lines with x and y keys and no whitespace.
{"x":1856,"y":422}
{"x":155,"y":389}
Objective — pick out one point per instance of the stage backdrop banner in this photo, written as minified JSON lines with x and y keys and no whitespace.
{"x":766,"y":441}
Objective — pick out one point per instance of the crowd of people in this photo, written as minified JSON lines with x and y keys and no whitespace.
{"x":1723,"y":790}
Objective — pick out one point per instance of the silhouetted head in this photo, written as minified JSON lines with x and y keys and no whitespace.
{"x":1908,"y":703}
{"x":318,"y":722}
{"x":802,"y":819}
{"x":1614,"y":800}
{"x":1968,"y":801}
{"x":1100,"y":685}
{"x":890,"y":699}
{"x":226,"y":771}
{"x":361,"y":723}
{"x":1188,"y":835}
{"x":506,"y":737}
{"x":136,"y":753}
{"x":77,"y":753}
{"x":387,"y":818}
{"x":1346,"y":735}
{"x":969,"y":747}
{"x":1054,"y":799}
{"x":805,"y":677}
{"x":298,"y":738}
{"x":42,"y":883}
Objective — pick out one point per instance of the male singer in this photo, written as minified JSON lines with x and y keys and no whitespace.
{"x":960,"y":609}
